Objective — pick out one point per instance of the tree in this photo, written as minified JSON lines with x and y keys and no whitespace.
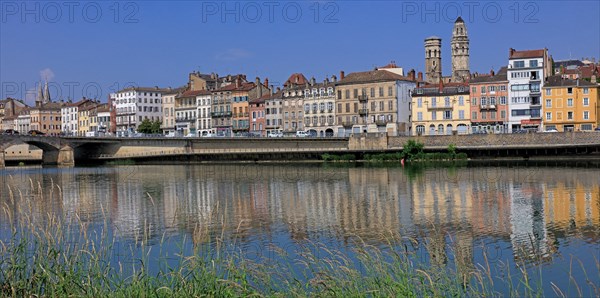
{"x":413,"y":150}
{"x":155,"y":127}
{"x":145,"y":126}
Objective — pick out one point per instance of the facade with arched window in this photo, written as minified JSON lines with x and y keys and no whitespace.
{"x":319,"y":108}
{"x":441,"y":109}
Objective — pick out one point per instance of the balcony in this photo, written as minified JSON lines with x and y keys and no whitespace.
{"x":347,"y":124}
{"x":381,"y":122}
{"x":444,"y":107}
{"x":185,"y":119}
{"x":240,"y":115}
{"x":363,"y":98}
{"x":487,"y":107}
{"x":220,"y":114}
{"x":363,"y":112}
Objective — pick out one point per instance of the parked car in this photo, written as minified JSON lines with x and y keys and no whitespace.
{"x":275,"y":134}
{"x":597,"y":128}
{"x":34,"y":132}
{"x":302,"y":134}
{"x":551,"y":130}
{"x":10,"y":132}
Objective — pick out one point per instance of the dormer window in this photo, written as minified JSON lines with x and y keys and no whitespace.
{"x":329,"y":91}
{"x":306,"y":93}
{"x":461,"y":89}
{"x":419,"y":91}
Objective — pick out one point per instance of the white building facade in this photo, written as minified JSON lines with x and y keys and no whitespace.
{"x":526,"y":73}
{"x":135,"y":104}
{"x":204,"y":119}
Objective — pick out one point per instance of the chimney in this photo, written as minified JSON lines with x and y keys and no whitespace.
{"x":510,"y":52}
{"x":341,"y":75}
{"x":411,"y":75}
{"x":266,"y":82}
{"x":312,"y":81}
{"x":237,"y":82}
{"x":212,"y":75}
{"x":272,"y":89}
{"x":257,"y":81}
{"x":420,"y":76}
{"x":333,"y":78}
{"x":492,"y":73}
{"x":441,"y":86}
{"x":326,"y":82}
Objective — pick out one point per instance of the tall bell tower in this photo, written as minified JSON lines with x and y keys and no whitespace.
{"x":460,"y":52}
{"x":433,"y":59}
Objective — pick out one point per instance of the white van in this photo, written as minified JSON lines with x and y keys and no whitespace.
{"x":302,"y":134}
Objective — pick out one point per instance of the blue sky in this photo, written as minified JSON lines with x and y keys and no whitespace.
{"x":94,"y":48}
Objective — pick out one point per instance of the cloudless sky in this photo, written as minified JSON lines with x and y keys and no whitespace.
{"x":94,"y":48}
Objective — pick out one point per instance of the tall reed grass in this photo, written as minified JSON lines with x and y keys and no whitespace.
{"x":53,"y":255}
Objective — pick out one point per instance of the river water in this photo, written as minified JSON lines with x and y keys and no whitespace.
{"x":545,"y":217}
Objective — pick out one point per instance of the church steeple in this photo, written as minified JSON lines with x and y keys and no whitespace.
{"x":40,"y":96}
{"x":460,"y":52}
{"x":46,"y":94}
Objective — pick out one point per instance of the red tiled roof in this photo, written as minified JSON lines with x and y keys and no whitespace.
{"x":371,"y":76}
{"x":527,"y":54}
{"x":191,"y":93}
{"x":296,"y":78}
{"x":588,"y":70}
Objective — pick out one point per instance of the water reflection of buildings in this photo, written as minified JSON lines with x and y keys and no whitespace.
{"x":528,"y":210}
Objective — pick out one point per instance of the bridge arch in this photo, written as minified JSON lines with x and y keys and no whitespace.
{"x":53,"y":150}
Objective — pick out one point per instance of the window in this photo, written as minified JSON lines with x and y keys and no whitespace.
{"x":492,"y":88}
{"x":372,"y":106}
{"x":548,"y":116}
{"x":483,"y":89}
{"x":548,"y":92}
{"x":347,"y":94}
{"x":474,"y":101}
{"x":533,"y":63}
{"x":586,"y":101}
{"x":355,"y":107}
{"x":502,"y":114}
{"x":339,"y":94}
{"x":461,"y":101}
{"x":381,"y":106}
{"x":503,"y":100}
{"x":390,"y":91}
{"x":355,"y":93}
{"x":548,"y":103}
{"x":503,"y":88}
{"x":519,"y":64}
{"x":381,"y":91}
{"x":348,"y":108}
{"x":420,"y":116}
{"x":586,"y":115}
{"x":474,"y":115}
{"x":372,"y":92}
{"x":391,"y":105}
{"x":461,"y":114}
{"x":586,"y":90}
{"x":570,"y":90}
{"x":586,"y":127}
{"x":433,"y":115}
{"x":447,"y":115}
{"x":569,"y":115}
{"x":433,"y":102}
{"x":447,"y":101}
{"x":474,"y":90}
{"x":483,"y":115}
{"x":569,"y":102}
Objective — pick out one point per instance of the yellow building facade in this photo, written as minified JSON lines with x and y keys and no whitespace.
{"x":441,"y":110}
{"x":570,"y":105}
